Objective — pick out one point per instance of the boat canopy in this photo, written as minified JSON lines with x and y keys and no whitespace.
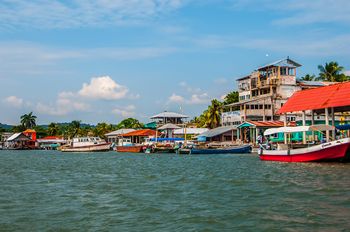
{"x":288,"y":129}
{"x":343,"y":127}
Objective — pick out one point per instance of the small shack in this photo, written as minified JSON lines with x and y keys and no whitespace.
{"x":219,"y":134}
{"x":17,"y":141}
{"x":114,"y":136}
{"x":190,"y":133}
{"x":139,"y":136}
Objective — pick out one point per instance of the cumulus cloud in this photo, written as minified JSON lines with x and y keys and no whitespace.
{"x":14,"y":101}
{"x":176,"y":98}
{"x":66,"y":103}
{"x":103,"y":88}
{"x":125,"y":112}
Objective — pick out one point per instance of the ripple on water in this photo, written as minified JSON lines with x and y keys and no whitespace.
{"x":50,"y":191}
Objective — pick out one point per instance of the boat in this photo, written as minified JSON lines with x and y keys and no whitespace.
{"x":327,"y":151}
{"x":131,"y":148}
{"x":86,"y":144}
{"x":224,"y":150}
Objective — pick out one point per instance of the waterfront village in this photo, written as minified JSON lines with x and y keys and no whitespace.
{"x":273,"y":113}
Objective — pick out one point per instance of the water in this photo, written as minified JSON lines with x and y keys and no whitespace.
{"x":53,"y":191}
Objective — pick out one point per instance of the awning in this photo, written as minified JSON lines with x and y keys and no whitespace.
{"x":288,"y":129}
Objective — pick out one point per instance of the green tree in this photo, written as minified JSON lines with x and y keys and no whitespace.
{"x":73,"y":128}
{"x":101,"y":129}
{"x":130,"y":123}
{"x":53,"y":129}
{"x":28,"y":120}
{"x":231,"y":97}
{"x":308,"y":77}
{"x":213,"y":114}
{"x":332,"y":72}
{"x":18,"y":128}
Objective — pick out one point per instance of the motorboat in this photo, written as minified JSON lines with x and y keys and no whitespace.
{"x":325,"y":151}
{"x":86,"y":144}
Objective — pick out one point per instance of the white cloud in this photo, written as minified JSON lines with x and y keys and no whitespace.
{"x":347,"y":73}
{"x":199,"y":99}
{"x":126,"y":112}
{"x":195,"y":99}
{"x":66,"y":103}
{"x":78,"y":13}
{"x":176,"y":98}
{"x":103,"y":88}
{"x":14,"y":101}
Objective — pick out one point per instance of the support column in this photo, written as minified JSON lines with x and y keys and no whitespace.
{"x":304,"y":124}
{"x":333,"y":123}
{"x":285,"y":124}
{"x":256,"y":134}
{"x":313,"y":123}
{"x":327,"y":123}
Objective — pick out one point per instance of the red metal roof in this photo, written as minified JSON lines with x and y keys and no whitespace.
{"x":270,"y":123}
{"x":337,"y":95}
{"x":145,"y":132}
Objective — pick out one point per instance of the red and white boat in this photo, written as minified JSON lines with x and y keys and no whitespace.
{"x":334,"y":150}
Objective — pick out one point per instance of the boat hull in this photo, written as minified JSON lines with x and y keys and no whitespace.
{"x":92,"y":148}
{"x":131,"y":149}
{"x":230,"y":150}
{"x":335,"y":150}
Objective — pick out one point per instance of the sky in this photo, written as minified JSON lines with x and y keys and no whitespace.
{"x":104,"y":60}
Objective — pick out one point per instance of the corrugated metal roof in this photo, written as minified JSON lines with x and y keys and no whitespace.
{"x":337,"y":95}
{"x":119,"y":132}
{"x":217,"y":131}
{"x":18,"y":136}
{"x":169,"y":126}
{"x":282,"y":63}
{"x":190,"y":131}
{"x":166,"y":114}
{"x":144,"y":132}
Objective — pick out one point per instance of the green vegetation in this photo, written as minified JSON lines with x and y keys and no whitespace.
{"x":28,"y":120}
{"x":211,"y":117}
{"x":330,"y":72}
{"x":72,"y":129}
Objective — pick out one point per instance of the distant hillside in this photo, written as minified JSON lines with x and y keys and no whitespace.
{"x":9,"y":127}
{"x":5,"y":126}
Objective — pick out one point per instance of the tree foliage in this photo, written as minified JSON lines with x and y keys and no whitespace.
{"x":308,"y":77}
{"x":130,"y":123}
{"x":332,"y":72}
{"x":28,"y":121}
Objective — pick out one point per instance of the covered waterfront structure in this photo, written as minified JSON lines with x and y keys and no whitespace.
{"x":327,"y":100}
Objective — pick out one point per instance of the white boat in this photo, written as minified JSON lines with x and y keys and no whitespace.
{"x":86,"y":144}
{"x":334,"y":150}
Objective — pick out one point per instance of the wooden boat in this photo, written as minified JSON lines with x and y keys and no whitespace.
{"x":86,"y":144}
{"x":225,"y":150}
{"x":334,"y":150}
{"x":131,"y":149}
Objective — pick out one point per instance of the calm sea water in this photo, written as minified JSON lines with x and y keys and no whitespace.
{"x":53,"y":191}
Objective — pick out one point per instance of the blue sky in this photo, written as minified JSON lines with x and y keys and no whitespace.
{"x":105,"y":60}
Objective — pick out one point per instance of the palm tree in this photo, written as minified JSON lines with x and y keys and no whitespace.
{"x":53,"y":129}
{"x":213,"y":114}
{"x":130,"y":123}
{"x":28,"y":120}
{"x":74,"y":128}
{"x":331,"y":72}
{"x":308,"y":77}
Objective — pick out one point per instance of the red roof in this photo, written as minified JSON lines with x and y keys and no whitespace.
{"x":337,"y":95}
{"x":52,"y":137}
{"x":145,"y":132}
{"x":270,"y":123}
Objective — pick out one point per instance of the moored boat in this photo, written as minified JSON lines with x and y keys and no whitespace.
{"x":328,"y":151}
{"x":225,"y":150}
{"x":86,"y":144}
{"x":131,"y":148}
